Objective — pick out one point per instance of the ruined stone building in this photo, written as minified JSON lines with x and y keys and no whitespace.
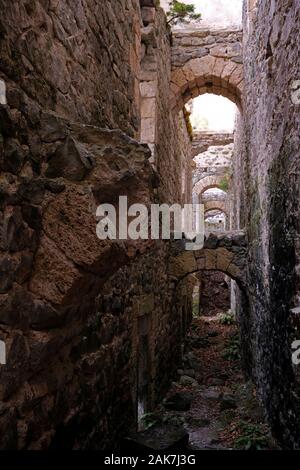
{"x":93,"y":97}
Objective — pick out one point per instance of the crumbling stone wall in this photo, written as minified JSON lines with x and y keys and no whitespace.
{"x":52,"y":270}
{"x":267,"y":189}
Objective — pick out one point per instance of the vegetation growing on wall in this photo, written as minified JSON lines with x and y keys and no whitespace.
{"x":224,"y":183}
{"x":181,"y":12}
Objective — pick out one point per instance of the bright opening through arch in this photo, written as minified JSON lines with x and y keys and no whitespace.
{"x":211,"y":112}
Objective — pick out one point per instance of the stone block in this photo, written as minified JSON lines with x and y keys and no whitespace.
{"x":202,"y":67}
{"x":211,"y":241}
{"x":148,"y":130}
{"x":148,"y":89}
{"x":228,"y":70}
{"x":149,"y":3}
{"x":224,"y":258}
{"x":179,"y":78}
{"x":183,"y":264}
{"x":201,"y":264}
{"x":148,"y":108}
{"x":210,"y":259}
{"x":234,"y":271}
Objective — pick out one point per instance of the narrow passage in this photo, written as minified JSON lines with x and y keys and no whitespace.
{"x":209,"y":406}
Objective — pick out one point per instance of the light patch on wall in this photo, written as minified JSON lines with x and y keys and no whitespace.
{"x":213,"y":113}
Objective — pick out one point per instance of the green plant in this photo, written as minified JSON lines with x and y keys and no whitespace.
{"x":182,"y":12}
{"x":224,"y":183}
{"x":227,"y":318}
{"x":148,"y":420}
{"x":232,"y":349}
{"x":253,"y":436}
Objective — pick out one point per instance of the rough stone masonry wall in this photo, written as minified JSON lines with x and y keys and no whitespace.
{"x":222,"y":43}
{"x":267,"y":182}
{"x":174,"y":146}
{"x":53,"y":267}
{"x":205,"y":61}
{"x":157,"y":316}
{"x":70,"y":377}
{"x":77,"y":58}
{"x":163,"y":129}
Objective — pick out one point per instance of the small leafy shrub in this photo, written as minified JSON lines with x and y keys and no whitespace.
{"x":227,"y":318}
{"x":224,"y":184}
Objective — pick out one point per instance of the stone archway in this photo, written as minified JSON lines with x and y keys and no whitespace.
{"x":208,"y":74}
{"x":215,"y":205}
{"x":225,"y":252}
{"x":208,"y":182}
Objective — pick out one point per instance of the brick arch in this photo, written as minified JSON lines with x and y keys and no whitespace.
{"x":207,"y":75}
{"x":215,"y":205}
{"x":208,"y":182}
{"x":225,"y":252}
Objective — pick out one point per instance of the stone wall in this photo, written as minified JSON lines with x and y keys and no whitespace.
{"x":122,"y":356}
{"x":202,"y":140}
{"x":74,"y":311}
{"x":225,"y":252}
{"x":52,"y":270}
{"x":80,"y":59}
{"x":165,"y":131}
{"x":224,"y":43}
{"x":267,"y":182}
{"x":205,"y":61}
{"x":158,"y":316}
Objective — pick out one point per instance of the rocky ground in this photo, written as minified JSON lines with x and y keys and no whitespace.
{"x":210,"y":401}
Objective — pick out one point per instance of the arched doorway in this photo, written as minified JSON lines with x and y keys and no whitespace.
{"x":209,"y":74}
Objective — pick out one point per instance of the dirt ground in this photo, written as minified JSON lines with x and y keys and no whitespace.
{"x":210,"y":398}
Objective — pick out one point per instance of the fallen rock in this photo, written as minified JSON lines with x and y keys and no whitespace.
{"x":211,"y":394}
{"x":186,"y":380}
{"x":189,"y":373}
{"x":191,"y":361}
